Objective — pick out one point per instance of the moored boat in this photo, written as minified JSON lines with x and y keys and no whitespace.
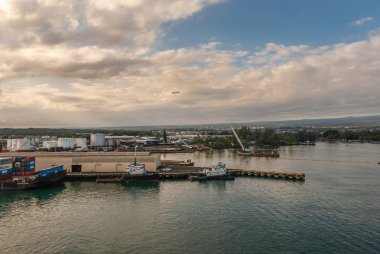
{"x":136,"y":172}
{"x":269,"y":153}
{"x":42,"y":178}
{"x":216,"y":173}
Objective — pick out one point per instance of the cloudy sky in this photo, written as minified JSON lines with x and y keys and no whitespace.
{"x":79,"y":63}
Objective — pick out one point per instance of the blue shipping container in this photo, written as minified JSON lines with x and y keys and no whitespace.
{"x":6,"y":172}
{"x":50,"y":170}
{"x":19,"y":159}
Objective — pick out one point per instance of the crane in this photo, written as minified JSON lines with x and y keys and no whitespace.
{"x":246,"y":150}
{"x":183,"y":141}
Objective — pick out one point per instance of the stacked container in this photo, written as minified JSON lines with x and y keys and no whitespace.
{"x":24,"y":166}
{"x":49,"y":171}
{"x":6,"y":168}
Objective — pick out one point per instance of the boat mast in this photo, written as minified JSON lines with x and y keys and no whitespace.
{"x":238,"y":139}
{"x":135,"y":163}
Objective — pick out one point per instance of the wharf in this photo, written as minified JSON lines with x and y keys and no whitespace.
{"x":183,"y":172}
{"x":179,"y":172}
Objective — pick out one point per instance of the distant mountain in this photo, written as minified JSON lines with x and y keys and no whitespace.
{"x":358,"y":121}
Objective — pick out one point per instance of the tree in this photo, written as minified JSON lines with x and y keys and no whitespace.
{"x":165,"y":135}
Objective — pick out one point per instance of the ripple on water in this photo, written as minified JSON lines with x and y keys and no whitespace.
{"x":336,"y":210}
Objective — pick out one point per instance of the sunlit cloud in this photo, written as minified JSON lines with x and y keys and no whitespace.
{"x":92,"y":63}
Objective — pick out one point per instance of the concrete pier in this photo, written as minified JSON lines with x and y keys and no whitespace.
{"x":183,"y":172}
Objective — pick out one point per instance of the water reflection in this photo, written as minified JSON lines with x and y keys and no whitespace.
{"x":141,"y":186}
{"x":41,"y":196}
{"x":218,"y":185}
{"x":93,"y":186}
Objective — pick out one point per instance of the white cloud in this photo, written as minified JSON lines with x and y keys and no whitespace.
{"x":91,"y":64}
{"x":327,"y":81}
{"x":117,"y":23}
{"x":362,"y":21}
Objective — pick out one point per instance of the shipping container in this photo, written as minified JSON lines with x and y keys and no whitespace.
{"x":6,"y":160}
{"x":6,"y":171}
{"x":50,"y":170}
{"x":19,"y":159}
{"x":6,"y":174}
{"x":6,"y":166}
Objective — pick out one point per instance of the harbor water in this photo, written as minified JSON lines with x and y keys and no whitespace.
{"x":336,"y":210}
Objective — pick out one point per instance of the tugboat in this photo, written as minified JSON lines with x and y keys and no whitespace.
{"x":216,"y":173}
{"x":42,"y":178}
{"x":136,"y":172}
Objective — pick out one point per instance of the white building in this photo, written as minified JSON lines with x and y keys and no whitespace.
{"x":98,"y":139}
{"x":66,"y":142}
{"x":18,"y":144}
{"x":81,"y":142}
{"x":50,"y":144}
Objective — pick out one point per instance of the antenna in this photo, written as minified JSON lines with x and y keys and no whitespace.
{"x":135,"y":156}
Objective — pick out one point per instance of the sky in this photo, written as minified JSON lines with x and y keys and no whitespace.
{"x":83,"y":63}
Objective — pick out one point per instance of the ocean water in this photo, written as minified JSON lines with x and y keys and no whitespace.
{"x":336,"y":210}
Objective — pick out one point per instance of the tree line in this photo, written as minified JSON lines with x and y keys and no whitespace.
{"x":270,"y":138}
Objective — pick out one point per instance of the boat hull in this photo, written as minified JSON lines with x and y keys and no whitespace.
{"x":206,"y":178}
{"x":38,"y":182}
{"x":150,"y":177}
{"x":253,"y":154}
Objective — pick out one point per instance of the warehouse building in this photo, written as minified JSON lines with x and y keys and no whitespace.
{"x":92,"y":161}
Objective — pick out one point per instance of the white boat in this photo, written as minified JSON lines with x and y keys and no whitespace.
{"x":136,"y":169}
{"x":216,"y":173}
{"x":219,"y":170}
{"x":136,"y":172}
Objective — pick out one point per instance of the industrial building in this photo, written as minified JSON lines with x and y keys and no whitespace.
{"x":66,"y":143}
{"x":98,"y":139}
{"x":91,"y":161}
{"x":50,"y":144}
{"x":18,"y":144}
{"x":80,"y":142}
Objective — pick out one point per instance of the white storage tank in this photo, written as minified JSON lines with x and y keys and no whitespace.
{"x":14,"y":144}
{"x":9,"y":144}
{"x":50,"y":144}
{"x":66,"y":142}
{"x":17,"y":144}
{"x":81,"y":142}
{"x":22,"y":144}
{"x":98,"y":139}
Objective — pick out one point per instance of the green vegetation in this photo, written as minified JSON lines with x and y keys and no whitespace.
{"x":270,"y":138}
{"x":364,"y":135}
{"x":165,"y":136}
{"x":265,"y":138}
{"x":216,"y":142}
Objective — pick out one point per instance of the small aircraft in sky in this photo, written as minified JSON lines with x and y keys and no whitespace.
{"x":174,"y":92}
